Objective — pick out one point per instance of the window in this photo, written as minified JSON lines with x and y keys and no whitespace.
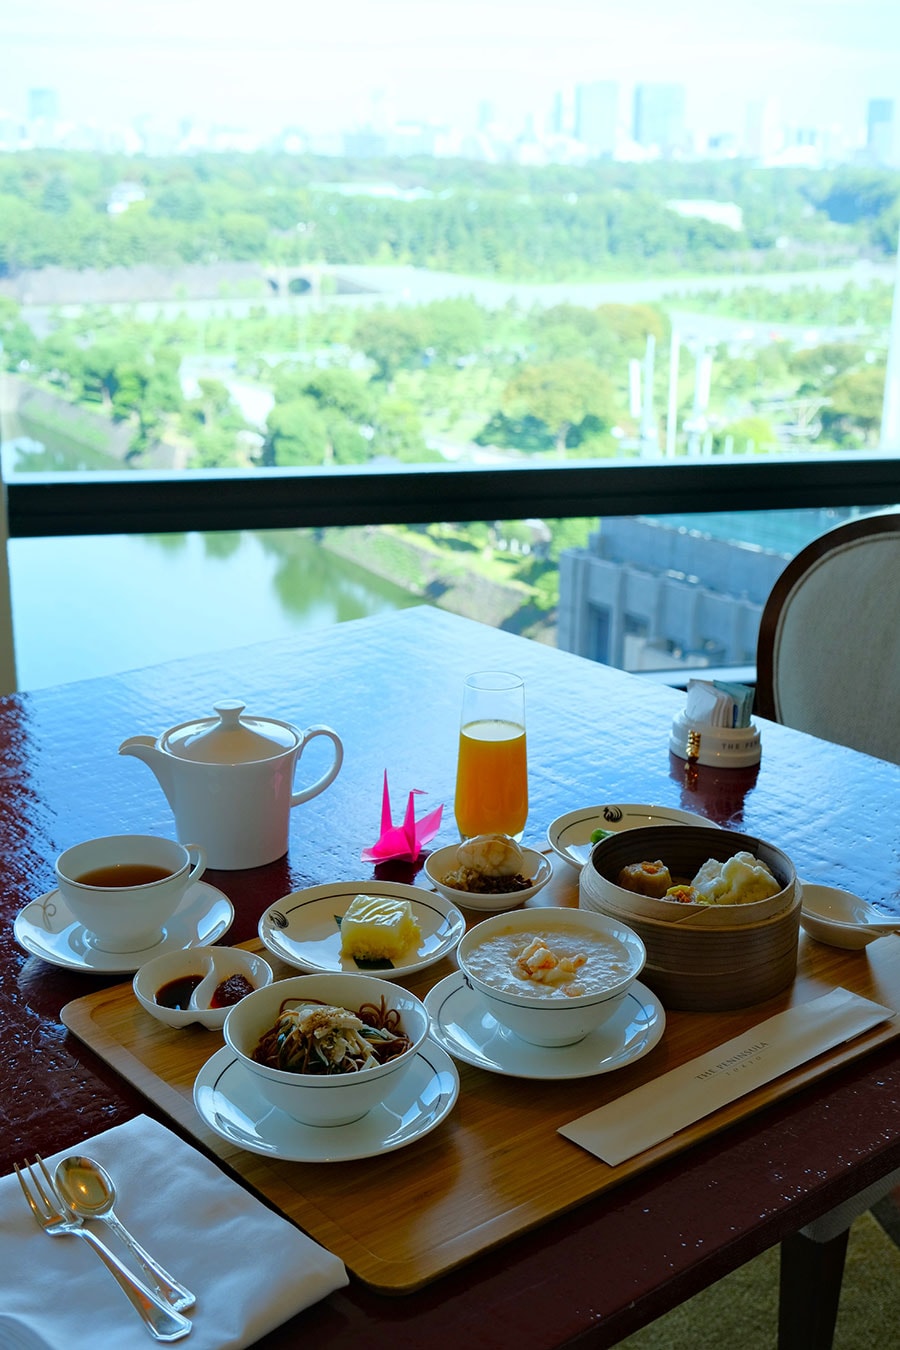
{"x":476,"y":239}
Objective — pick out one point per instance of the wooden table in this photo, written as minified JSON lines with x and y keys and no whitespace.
{"x":391,"y":687}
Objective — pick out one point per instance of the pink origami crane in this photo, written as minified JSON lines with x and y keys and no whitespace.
{"x":406,"y":840}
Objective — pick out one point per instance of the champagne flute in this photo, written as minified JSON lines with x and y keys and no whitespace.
{"x":492,"y":770}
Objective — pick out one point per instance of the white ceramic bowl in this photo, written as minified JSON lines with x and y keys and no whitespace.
{"x":333,"y":1099}
{"x":444,"y":860}
{"x":214,"y":964}
{"x":537,"y":1017}
{"x":840,"y":918}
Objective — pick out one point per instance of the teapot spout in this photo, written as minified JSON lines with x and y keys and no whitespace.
{"x":145,"y":748}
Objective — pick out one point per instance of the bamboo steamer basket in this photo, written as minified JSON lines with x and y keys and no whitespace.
{"x":700,"y":958}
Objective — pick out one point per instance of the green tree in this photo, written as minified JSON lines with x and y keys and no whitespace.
{"x":747,"y":432}
{"x":453,"y":328}
{"x":341,"y":390}
{"x":399,"y":431}
{"x":561,"y":394}
{"x":297,"y":435}
{"x":392,"y":340}
{"x":856,"y":403}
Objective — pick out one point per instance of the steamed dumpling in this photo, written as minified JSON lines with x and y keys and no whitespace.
{"x":645,"y":878}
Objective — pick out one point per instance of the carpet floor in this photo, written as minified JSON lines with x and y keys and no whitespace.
{"x":740,"y":1312}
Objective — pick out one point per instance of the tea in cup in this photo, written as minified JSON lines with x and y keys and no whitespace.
{"x":125,"y":887}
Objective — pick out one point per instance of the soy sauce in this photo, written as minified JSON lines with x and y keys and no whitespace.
{"x":177,"y":993}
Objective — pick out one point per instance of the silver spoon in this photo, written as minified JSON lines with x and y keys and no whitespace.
{"x":89,"y":1191}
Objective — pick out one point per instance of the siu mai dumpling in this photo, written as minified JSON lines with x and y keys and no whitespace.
{"x":646,"y":878}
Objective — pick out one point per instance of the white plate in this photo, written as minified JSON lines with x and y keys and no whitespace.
{"x":302,"y":928}
{"x":227,"y":1099}
{"x":570,"y":835}
{"x":461,"y":1023}
{"x":46,"y":928}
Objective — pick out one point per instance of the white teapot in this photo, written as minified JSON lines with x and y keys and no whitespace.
{"x":229,"y":780}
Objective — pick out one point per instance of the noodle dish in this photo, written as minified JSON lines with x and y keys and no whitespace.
{"x":314,"y":1037}
{"x":319,"y":1047}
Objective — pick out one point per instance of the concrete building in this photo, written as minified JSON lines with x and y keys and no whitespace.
{"x":43,"y":105}
{"x":596,"y":116}
{"x":659,"y":117}
{"x":882,"y":139}
{"x":656,"y":594}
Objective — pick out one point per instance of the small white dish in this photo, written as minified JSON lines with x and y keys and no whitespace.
{"x":47,"y":928}
{"x":228,"y":1100}
{"x":213,"y":965}
{"x":842,"y":919}
{"x":302,"y":929}
{"x":461,"y":1023}
{"x":570,"y":835}
{"x":444,"y":860}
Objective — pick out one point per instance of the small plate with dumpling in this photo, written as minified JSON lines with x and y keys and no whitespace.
{"x":490,"y":872}
{"x":382,"y":928}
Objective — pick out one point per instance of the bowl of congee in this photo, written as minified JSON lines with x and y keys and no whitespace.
{"x":551,"y":975}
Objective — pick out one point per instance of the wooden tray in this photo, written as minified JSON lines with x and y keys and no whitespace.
{"x":496,"y":1166}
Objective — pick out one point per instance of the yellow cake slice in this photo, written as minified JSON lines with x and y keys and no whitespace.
{"x":378,"y":927}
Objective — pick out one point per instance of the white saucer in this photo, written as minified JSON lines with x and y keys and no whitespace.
{"x":303,"y":930}
{"x":227,"y":1099}
{"x":46,"y":928}
{"x":570,"y":835}
{"x":461,"y":1023}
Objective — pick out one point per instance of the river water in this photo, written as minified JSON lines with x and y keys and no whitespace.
{"x":94,"y":605}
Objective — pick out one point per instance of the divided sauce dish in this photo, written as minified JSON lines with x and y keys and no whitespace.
{"x":214,"y":966}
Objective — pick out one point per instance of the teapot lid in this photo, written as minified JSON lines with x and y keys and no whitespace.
{"x":229,"y":738}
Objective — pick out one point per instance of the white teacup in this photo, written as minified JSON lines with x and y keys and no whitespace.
{"x":124,"y":887}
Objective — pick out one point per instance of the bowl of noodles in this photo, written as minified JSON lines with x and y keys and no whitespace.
{"x":319,"y":1047}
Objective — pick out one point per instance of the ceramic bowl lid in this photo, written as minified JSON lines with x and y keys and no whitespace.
{"x":229,"y":738}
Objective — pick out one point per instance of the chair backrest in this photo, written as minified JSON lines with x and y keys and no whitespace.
{"x":828,"y":653}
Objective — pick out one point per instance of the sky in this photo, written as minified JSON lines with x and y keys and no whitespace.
{"x":274,"y":63}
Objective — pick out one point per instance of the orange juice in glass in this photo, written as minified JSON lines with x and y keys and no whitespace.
{"x":492,"y":771}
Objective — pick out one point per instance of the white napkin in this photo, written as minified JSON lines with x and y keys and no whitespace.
{"x":662,"y":1106}
{"x":249,"y":1268}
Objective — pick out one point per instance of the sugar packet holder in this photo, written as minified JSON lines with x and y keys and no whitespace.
{"x":722,"y":747}
{"x":714,"y":727}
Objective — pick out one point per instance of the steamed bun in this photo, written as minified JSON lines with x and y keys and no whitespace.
{"x":739,"y":881}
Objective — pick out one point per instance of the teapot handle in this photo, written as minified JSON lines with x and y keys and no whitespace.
{"x":331,"y":773}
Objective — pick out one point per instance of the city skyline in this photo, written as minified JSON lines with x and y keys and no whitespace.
{"x":275,"y":66}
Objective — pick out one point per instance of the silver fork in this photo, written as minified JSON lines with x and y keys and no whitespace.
{"x":161,"y":1320}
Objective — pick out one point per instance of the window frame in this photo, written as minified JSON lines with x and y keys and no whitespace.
{"x":145,"y":502}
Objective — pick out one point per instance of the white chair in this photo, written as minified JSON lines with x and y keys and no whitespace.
{"x":828,"y":652}
{"x":828,"y":662}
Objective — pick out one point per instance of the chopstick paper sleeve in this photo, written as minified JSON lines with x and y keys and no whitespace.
{"x":660,"y":1108}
